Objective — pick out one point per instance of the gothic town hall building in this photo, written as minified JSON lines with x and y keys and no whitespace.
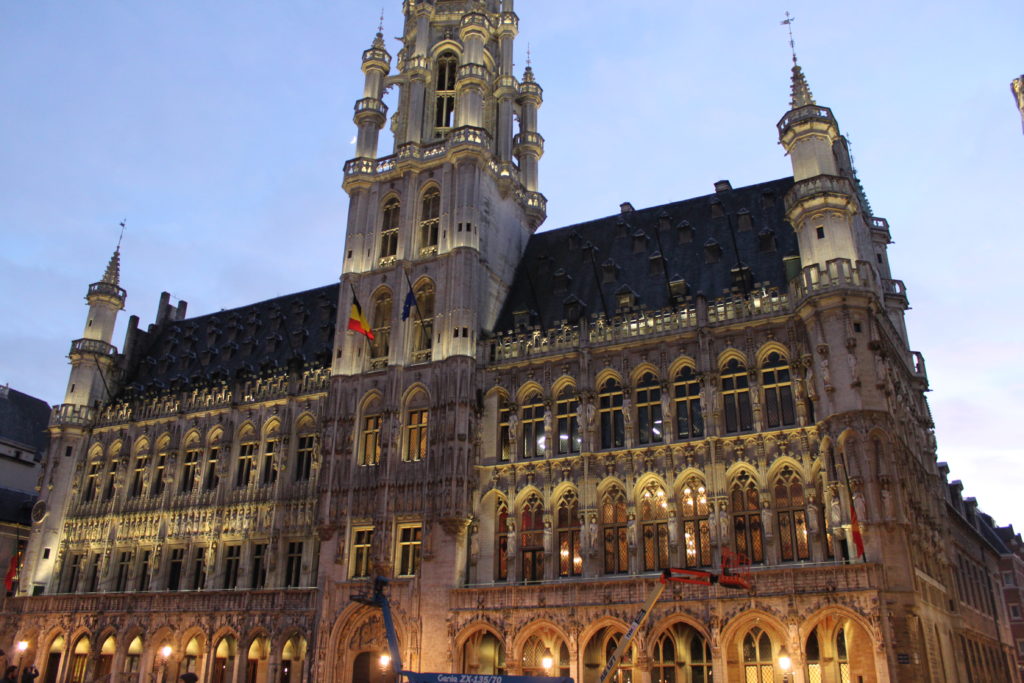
{"x":548,"y":421}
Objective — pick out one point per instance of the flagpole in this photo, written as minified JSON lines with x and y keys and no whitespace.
{"x":854,"y":522}
{"x":419,"y":313}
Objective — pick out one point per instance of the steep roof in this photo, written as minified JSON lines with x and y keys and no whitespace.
{"x":16,"y":506}
{"x":23,"y":419}
{"x":702,"y":241}
{"x":290,"y":332}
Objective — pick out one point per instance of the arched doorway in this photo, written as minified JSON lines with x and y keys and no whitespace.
{"x":483,"y":653}
{"x":190,"y":658}
{"x":53,"y":658}
{"x":599,"y":650}
{"x":258,"y":661}
{"x":105,"y":662}
{"x":223,"y":660}
{"x":680,"y":653}
{"x":293,"y":659}
{"x":79,"y":660}
{"x":545,"y":654}
{"x":133,"y":659}
{"x":372,"y":667}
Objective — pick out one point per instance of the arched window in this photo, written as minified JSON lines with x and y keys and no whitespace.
{"x":700,"y":659}
{"x":745,"y":500}
{"x":305,"y":448}
{"x":566,"y":410}
{"x":534,"y":653}
{"x":444,"y":91}
{"x":791,"y":515}
{"x":842,"y":657}
{"x":389,"y":230}
{"x":430,"y":220}
{"x":534,"y":439}
{"x":613,"y":428}
{"x":212,"y":478}
{"x":271,"y":453}
{"x":163,"y":448}
{"x":778,"y":392}
{"x":689,"y":420}
{"x":570,"y":561}
{"x":190,"y":464}
{"x":664,"y":664}
{"x":694,"y":513}
{"x":111,"y":475}
{"x":736,"y":398}
{"x":812,"y":655}
{"x":247,"y":446}
{"x":757,"y":657}
{"x":654,"y":527}
{"x":613,"y":526}
{"x":624,"y":674}
{"x":505,"y":435}
{"x":380,"y":324}
{"x":415,"y":441}
{"x":531,"y":538}
{"x":140,"y":463}
{"x":501,"y":541}
{"x":648,"y":410}
{"x":369,"y":441}
{"x":681,"y":654}
{"x":92,"y":478}
{"x":423,"y":325}
{"x":483,"y":654}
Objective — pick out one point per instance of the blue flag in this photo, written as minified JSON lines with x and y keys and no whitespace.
{"x":410,"y":301}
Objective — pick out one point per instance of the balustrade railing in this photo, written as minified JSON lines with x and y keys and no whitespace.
{"x":809,"y":112}
{"x":96,"y":346}
{"x":70,"y":415}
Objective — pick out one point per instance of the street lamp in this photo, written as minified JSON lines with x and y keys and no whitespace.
{"x":785,"y":663}
{"x":547,"y":661}
{"x":164,"y":653}
{"x":21,"y":647}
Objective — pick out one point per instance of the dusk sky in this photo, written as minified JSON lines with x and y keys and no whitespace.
{"x":219,"y":130}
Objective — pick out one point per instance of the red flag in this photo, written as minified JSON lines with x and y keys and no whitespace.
{"x":858,"y":540}
{"x":12,"y":572}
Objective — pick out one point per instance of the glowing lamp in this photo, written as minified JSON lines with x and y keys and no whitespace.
{"x":547,"y":661}
{"x":22,"y":645}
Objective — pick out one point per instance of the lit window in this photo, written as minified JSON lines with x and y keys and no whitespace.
{"x":696,"y":534}
{"x":654,"y":527}
{"x":415,"y":435}
{"x":757,"y":657}
{"x":570,"y":560}
{"x":568,"y":424}
{"x":389,"y":231}
{"x":531,"y":538}
{"x":444,"y":91}
{"x":362,"y":538}
{"x":791,"y":516}
{"x":430,"y":221}
{"x":614,"y":529}
{"x":745,"y":501}
{"x":410,"y":539}
{"x":501,"y":533}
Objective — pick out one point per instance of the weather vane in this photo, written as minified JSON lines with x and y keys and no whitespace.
{"x":380,"y":26}
{"x":788,"y":23}
{"x":121,"y":236}
{"x":529,"y":57}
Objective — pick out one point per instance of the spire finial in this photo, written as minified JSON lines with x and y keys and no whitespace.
{"x":121,"y":236}
{"x":380,"y":26}
{"x":788,"y":23}
{"x":112,"y":274}
{"x":529,"y":56}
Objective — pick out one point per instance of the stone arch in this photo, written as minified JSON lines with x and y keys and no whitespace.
{"x":608,"y":373}
{"x":861,"y":639}
{"x":729,"y":354}
{"x":115,"y":447}
{"x":560,"y":490}
{"x":772,"y":347}
{"x":682,"y":477}
{"x":524,"y":494}
{"x":736,"y":629}
{"x":612,"y":481}
{"x":191,"y":437}
{"x":851,"y":446}
{"x":794,"y":464}
{"x":141,"y":444}
{"x":676,"y":625}
{"x":215,"y":435}
{"x":679,"y":363}
{"x":528,"y":389}
{"x":734,"y":470}
{"x":645,"y":480}
{"x":271,"y":427}
{"x":416,"y":395}
{"x":592,"y":646}
{"x":360,"y":628}
{"x":552,"y":637}
{"x":305,"y":422}
{"x":560,"y":384}
{"x":643,"y":368}
{"x":246,"y":430}
{"x":491,"y":653}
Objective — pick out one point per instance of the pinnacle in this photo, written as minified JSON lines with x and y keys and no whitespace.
{"x":112,"y":275}
{"x":528,"y":75}
{"x":801,"y":91}
{"x":378,"y":41}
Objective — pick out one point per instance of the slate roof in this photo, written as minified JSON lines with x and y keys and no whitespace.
{"x":23,"y":419}
{"x":736,"y":226}
{"x":290,"y":332}
{"x":16,"y":506}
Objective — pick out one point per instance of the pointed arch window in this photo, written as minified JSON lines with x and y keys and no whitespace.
{"x":791,"y":516}
{"x":689,"y":420}
{"x":160,"y":466}
{"x":139,"y":466}
{"x":271,"y":454}
{"x":654,"y":527}
{"x":111,"y":476}
{"x":748,"y":536}
{"x":534,"y":438}
{"x":664,"y":665}
{"x":416,"y":416}
{"x":778,"y":392}
{"x":444,"y":93}
{"x":211,"y":479}
{"x":531,"y":538}
{"x":624,"y":674}
{"x":736,"y":398}
{"x":696,"y":534}
{"x":501,"y":533}
{"x":190,"y":465}
{"x":505,"y":436}
{"x":813,"y":658}
{"x":568,"y":424}
{"x":700,"y":659}
{"x":649,"y":425}
{"x":757,"y":657}
{"x":380,"y":324}
{"x":430,"y":220}
{"x":842,"y":657}
{"x":246,"y":458}
{"x":614,"y":529}
{"x":613,"y":429}
{"x":369,"y":438}
{"x":92,"y":481}
{"x":423,"y":325}
{"x":570,"y":560}
{"x":390,"y":219}
{"x":304,"y":451}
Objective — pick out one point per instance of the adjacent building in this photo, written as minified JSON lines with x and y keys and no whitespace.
{"x":519,"y":429}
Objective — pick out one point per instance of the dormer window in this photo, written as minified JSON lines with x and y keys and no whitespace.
{"x":712,"y":251}
{"x":685,"y":232}
{"x":678,"y":288}
{"x":716,"y":209}
{"x":444,"y":91}
{"x":640,"y":240}
{"x":521,"y":319}
{"x":657,"y":263}
{"x":609,"y":271}
{"x":562,"y":280}
{"x":766,"y":240}
{"x":745,"y":222}
{"x":573,"y":309}
{"x":625,"y":298}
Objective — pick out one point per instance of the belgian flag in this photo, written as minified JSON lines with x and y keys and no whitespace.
{"x":357,"y":321}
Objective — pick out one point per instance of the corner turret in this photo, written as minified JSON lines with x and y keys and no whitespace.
{"x":371,"y":112}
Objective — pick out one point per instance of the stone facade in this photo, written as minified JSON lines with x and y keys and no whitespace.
{"x":538,"y":426}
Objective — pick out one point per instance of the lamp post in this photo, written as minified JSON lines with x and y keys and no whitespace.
{"x":785,"y":663}
{"x":21,"y":647}
{"x":164,"y":653}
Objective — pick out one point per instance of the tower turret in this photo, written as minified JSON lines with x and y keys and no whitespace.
{"x":824,"y":206}
{"x":371,"y":112}
{"x":92,"y":356}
